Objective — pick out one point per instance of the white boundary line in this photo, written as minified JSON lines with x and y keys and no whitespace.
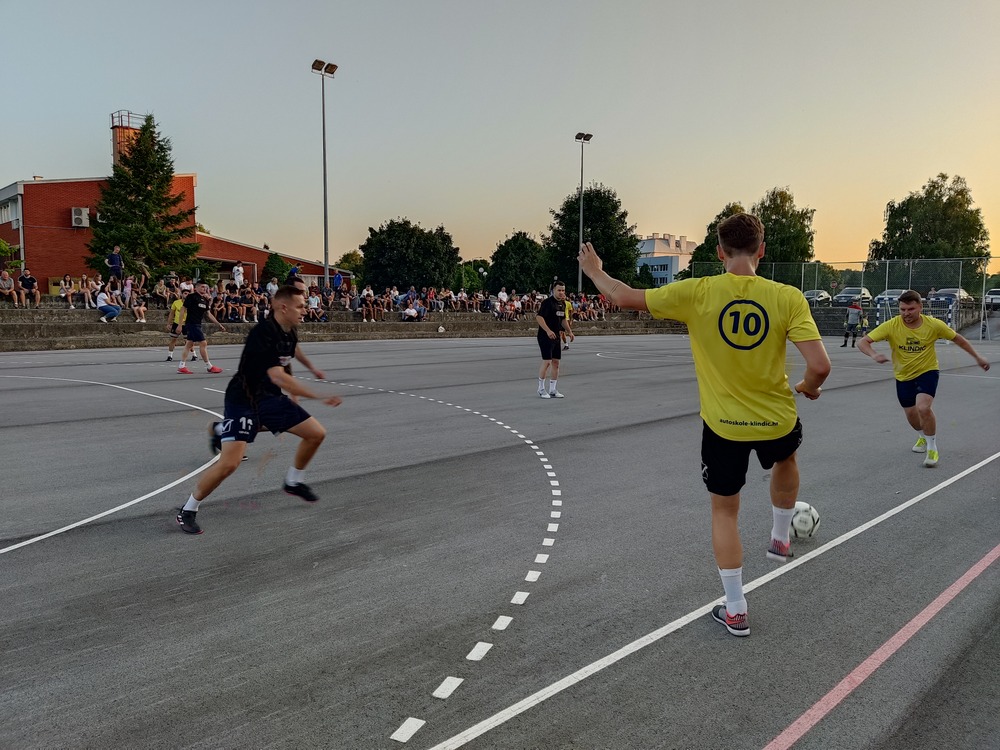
{"x":148,"y":495}
{"x":580,"y":675}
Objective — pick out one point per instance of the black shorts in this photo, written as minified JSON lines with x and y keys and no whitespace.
{"x":907,"y":390}
{"x":550,"y":348}
{"x":175,"y":330}
{"x":853,"y":327}
{"x":276,"y":413}
{"x":194,"y":332}
{"x":724,"y":463}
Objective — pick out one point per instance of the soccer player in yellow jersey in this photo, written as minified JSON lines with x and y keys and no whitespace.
{"x":911,"y":334}
{"x":738,"y":324}
{"x":175,"y":314}
{"x":568,"y":330}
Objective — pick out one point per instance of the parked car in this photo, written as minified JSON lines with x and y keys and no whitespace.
{"x":951,"y":296}
{"x":887,"y":297}
{"x":818,"y":298}
{"x":992,"y":299}
{"x":851,"y":294}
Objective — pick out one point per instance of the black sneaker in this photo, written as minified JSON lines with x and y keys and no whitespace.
{"x":185,"y":519}
{"x":214,"y":441}
{"x":170,"y":358}
{"x":301,"y":490}
{"x":735,"y":624}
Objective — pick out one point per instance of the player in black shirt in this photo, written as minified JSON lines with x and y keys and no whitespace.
{"x":255,"y":400}
{"x":551,"y":318}
{"x":197,"y":306}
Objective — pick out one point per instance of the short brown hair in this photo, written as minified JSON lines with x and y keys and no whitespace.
{"x":287,"y":292}
{"x":741,"y":234}
{"x":910,"y":296}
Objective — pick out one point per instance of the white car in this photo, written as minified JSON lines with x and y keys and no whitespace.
{"x":888,"y":297}
{"x":992,"y":299}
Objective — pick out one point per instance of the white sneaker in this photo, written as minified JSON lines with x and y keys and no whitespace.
{"x":555,"y":394}
{"x":931,"y":458}
{"x":543,"y":394}
{"x":103,"y":319}
{"x":71,"y":307}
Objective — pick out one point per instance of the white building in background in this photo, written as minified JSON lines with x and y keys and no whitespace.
{"x":665,"y":255}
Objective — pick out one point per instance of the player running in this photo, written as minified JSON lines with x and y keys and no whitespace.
{"x":254,"y":401}
{"x":196,"y":307}
{"x":911,"y":335}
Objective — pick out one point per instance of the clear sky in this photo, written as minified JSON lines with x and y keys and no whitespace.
{"x":463,"y":112}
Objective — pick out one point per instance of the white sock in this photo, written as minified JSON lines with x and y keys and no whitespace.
{"x":541,"y":385}
{"x":552,"y":386}
{"x":183,"y":363}
{"x":294,"y":476}
{"x":782,"y":523}
{"x":732,"y":582}
{"x":191,"y":504}
{"x":208,"y":364}
{"x":931,"y":442}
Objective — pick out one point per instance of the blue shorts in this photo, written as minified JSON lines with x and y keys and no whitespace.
{"x":907,"y":390}
{"x":194,"y":332}
{"x":275,"y":413}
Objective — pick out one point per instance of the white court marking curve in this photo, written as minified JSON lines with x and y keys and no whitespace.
{"x":148,"y":495}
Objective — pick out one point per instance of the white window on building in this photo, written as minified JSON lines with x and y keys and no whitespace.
{"x":5,"y":213}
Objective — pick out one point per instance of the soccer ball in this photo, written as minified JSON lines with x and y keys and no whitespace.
{"x":440,"y":329}
{"x":805,"y":520}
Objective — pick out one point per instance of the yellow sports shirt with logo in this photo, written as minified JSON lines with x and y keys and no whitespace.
{"x":913,"y":351}
{"x":738,"y":327}
{"x":176,"y":308}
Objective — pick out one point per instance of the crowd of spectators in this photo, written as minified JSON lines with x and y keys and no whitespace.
{"x":237,"y":300}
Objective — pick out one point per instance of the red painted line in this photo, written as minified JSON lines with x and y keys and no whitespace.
{"x":863,"y":671}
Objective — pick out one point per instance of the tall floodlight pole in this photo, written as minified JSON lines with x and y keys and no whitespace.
{"x":581,"y":138}
{"x":325,"y":70}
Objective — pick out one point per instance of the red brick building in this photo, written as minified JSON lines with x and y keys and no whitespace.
{"x":50,"y":222}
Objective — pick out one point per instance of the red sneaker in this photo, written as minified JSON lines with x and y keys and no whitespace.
{"x":215,"y":370}
{"x":735,"y":624}
{"x":184,"y":371}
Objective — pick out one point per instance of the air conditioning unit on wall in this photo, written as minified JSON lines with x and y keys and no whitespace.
{"x":80,"y":217}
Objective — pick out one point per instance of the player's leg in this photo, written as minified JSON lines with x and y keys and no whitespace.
{"x":554,"y":373}
{"x":185,"y":355}
{"x":928,"y":422}
{"x":779,"y":457}
{"x":311,"y":435}
{"x":545,"y":346}
{"x":229,"y":461}
{"x":724,"y":466}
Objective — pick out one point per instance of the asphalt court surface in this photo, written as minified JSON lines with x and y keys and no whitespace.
{"x":485,"y":569}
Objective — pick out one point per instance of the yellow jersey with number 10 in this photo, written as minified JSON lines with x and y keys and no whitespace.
{"x":738,"y":327}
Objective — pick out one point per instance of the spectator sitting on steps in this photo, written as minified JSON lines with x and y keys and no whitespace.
{"x":108,"y":311}
{"x":29,"y":286}
{"x":7,"y":288}
{"x":67,"y":287}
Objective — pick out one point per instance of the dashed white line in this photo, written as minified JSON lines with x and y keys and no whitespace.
{"x":479,"y":651}
{"x":447,"y":687}
{"x":407,"y":729}
{"x":520,"y":597}
{"x":532,"y":576}
{"x":553,"y":527}
{"x":502,"y":622}
{"x":541,"y":559}
{"x":548,"y":542}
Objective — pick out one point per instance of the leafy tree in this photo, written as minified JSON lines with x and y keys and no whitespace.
{"x":7,"y":251}
{"x":401,"y":253}
{"x":788,"y":234}
{"x":275,"y":268}
{"x":939,"y":221}
{"x":705,"y":260}
{"x":140,"y":211}
{"x":605,"y":223}
{"x":645,"y":278}
{"x":352,"y":261}
{"x":519,"y":262}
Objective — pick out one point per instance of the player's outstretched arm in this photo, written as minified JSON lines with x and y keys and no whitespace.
{"x":617,"y":292}
{"x":295,"y":387}
{"x":866,"y":348}
{"x":963,"y":343}
{"x":817,"y":368}
{"x":301,"y":357}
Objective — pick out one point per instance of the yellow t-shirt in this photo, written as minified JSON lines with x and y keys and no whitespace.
{"x":913,"y":351}
{"x":176,"y":310}
{"x":738,"y":327}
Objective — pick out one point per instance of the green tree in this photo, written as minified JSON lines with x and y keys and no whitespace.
{"x":140,"y":211}
{"x":645,"y":278}
{"x":7,"y":251}
{"x":519,"y":262}
{"x":605,"y":223}
{"x":788,"y":235}
{"x":938,"y":221}
{"x":275,"y":268}
{"x":351,"y":261}
{"x":705,"y":260}
{"x":401,"y":253}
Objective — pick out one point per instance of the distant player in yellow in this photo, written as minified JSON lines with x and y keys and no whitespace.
{"x":911,"y":334}
{"x":568,"y":330}
{"x":739,"y":324}
{"x":175,"y":314}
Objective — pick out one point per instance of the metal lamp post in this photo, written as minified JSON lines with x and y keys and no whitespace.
{"x":581,"y":138}
{"x":325,"y":70}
